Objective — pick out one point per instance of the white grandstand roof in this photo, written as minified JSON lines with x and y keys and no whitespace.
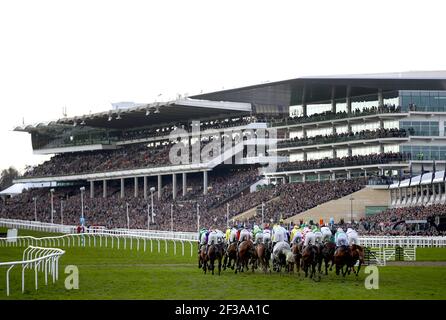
{"x":18,"y":188}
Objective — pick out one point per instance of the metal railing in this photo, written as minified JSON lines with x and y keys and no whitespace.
{"x":39,"y":259}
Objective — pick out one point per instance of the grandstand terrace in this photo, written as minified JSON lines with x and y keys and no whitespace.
{"x":328,"y":136}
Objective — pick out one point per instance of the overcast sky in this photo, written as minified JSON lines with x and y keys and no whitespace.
{"x":86,"y":54}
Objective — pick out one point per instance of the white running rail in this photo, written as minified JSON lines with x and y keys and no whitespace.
{"x":58,"y":228}
{"x":39,"y":259}
{"x":106,"y":240}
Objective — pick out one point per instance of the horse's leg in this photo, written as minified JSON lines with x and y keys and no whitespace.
{"x":359,"y":267}
{"x":219,"y":265}
{"x":344,"y":272}
{"x":225,"y":260}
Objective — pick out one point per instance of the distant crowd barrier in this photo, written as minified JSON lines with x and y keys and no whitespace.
{"x":39,"y":259}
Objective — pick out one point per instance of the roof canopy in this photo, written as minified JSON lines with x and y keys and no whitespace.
{"x":318,"y":89}
{"x":148,"y":114}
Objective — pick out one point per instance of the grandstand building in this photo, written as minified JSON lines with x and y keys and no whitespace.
{"x":376,"y":127}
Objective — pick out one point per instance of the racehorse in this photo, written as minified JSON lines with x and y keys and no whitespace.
{"x":309,"y":259}
{"x":215,"y":252}
{"x":203,"y":259}
{"x":245,"y":252}
{"x":297,"y":255}
{"x":342,"y":257}
{"x":263,"y":255}
{"x":282,"y":256}
{"x":328,"y":255}
{"x":356,"y":253}
{"x":230,"y":256}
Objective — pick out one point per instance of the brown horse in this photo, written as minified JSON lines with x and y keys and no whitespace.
{"x":342,"y":258}
{"x":215,"y":252}
{"x":328,"y":255}
{"x":245,"y":252}
{"x":203,"y":259}
{"x":309,"y":259}
{"x":263,"y":256}
{"x":296,"y":250}
{"x":356,"y":253}
{"x":230,"y":256}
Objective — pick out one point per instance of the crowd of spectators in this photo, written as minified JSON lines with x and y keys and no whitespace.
{"x":128,"y":157}
{"x":347,"y":136}
{"x":329,"y":115}
{"x":356,"y":160}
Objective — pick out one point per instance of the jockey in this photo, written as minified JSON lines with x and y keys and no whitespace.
{"x":297,"y":237}
{"x":227,"y":234}
{"x":244,"y":235}
{"x":233,"y":235}
{"x":310,"y":238}
{"x":352,"y":236}
{"x":202,"y":237}
{"x":317,"y":234}
{"x":266,"y":234}
{"x":293,"y":231}
{"x":280,"y":235}
{"x":326,"y":234}
{"x":341,"y":238}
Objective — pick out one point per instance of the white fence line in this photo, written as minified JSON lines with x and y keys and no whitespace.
{"x":58,"y":228}
{"x":43,"y":259}
{"x":100,"y":240}
{"x":368,"y":241}
{"x":401,"y":241}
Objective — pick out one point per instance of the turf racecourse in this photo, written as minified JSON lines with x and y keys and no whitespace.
{"x":106,"y":273}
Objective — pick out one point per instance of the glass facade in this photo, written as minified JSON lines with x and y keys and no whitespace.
{"x":421,"y":128}
{"x":425,"y":152}
{"x":428,"y":101}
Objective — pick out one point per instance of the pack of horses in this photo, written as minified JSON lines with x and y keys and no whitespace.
{"x":313,"y":259}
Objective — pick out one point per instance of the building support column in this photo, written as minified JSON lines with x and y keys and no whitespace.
{"x":304,"y":102}
{"x":205,"y":182}
{"x":304,"y":155}
{"x":380,"y":98}
{"x":174,"y":186}
{"x":160,"y":185}
{"x":91,"y":189}
{"x":333,"y":176}
{"x":381,"y":148}
{"x":184,"y":184}
{"x":349,"y":174}
{"x":145,"y":187}
{"x":319,"y":177}
{"x":122,"y":188}
{"x":348,"y":100}
{"x":303,"y":177}
{"x":136,"y":187}
{"x":333,"y":101}
{"x":104,"y":188}
{"x":349,"y":151}
{"x":334,"y":153}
